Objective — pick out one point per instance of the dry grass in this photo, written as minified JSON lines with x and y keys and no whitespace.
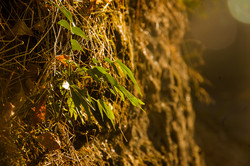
{"x":30,"y":41}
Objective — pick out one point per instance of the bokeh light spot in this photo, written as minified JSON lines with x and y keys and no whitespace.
{"x":216,"y":29}
{"x":240,"y":10}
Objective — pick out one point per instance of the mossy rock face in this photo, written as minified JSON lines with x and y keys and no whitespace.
{"x":164,"y":134}
{"x":144,"y":35}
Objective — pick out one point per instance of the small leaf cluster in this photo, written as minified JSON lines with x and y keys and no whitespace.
{"x":79,"y":101}
{"x":73,"y":29}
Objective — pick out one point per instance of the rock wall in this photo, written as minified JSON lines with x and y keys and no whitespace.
{"x":163,"y":135}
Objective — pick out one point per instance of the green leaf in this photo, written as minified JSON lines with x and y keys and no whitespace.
{"x":113,"y":65}
{"x":112,"y":91}
{"x":81,"y":70}
{"x":72,"y":85}
{"x":93,"y":75}
{"x":66,"y":13}
{"x":128,"y":72}
{"x":133,"y":100}
{"x":84,"y":101}
{"x":108,"y":60}
{"x":98,"y":73}
{"x":86,"y":107}
{"x":108,"y":77}
{"x":100,"y":108}
{"x":101,"y":69}
{"x":71,"y":106}
{"x":75,"y":45}
{"x":106,"y":109}
{"x":95,"y":61}
{"x":64,"y":23}
{"x":111,"y":79}
{"x":76,"y":100}
{"x":89,"y":98}
{"x":120,"y":93}
{"x":109,"y":113}
{"x":79,"y":32}
{"x":83,"y":98}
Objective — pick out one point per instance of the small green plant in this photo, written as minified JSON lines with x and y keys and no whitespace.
{"x":75,"y":96}
{"x":73,"y":29}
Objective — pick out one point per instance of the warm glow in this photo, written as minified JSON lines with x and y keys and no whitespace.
{"x":214,"y":26}
{"x":240,"y":10}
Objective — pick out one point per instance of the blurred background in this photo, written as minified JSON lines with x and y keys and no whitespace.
{"x":223,"y":127}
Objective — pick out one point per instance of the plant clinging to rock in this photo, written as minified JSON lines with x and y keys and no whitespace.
{"x":78,"y":100}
